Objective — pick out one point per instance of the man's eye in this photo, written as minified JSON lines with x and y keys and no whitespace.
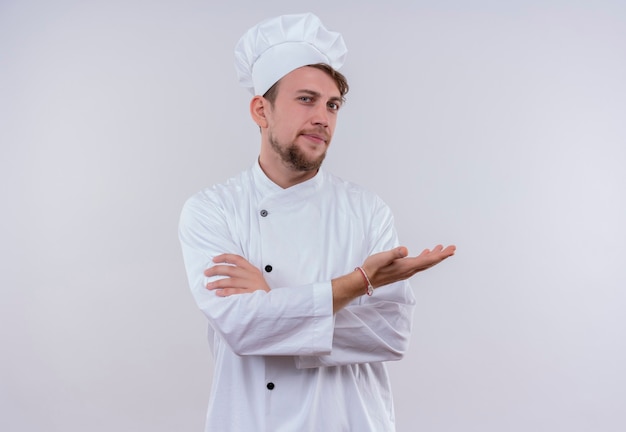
{"x":305,"y":98}
{"x":333,"y":106}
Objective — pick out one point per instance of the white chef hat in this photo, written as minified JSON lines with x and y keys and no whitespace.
{"x":274,"y":47}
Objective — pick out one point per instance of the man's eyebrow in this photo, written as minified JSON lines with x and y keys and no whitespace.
{"x":317,"y":95}
{"x":337,"y":100}
{"x":309,"y":92}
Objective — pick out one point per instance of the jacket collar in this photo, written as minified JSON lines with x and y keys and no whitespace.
{"x":267,"y":188}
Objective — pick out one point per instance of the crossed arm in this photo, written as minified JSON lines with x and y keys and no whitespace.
{"x":383,"y":268}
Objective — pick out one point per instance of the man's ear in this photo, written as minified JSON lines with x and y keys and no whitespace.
{"x":258,"y":109}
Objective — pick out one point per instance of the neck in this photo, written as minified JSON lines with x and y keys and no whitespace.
{"x":284,"y":176}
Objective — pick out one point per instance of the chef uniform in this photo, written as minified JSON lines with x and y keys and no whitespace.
{"x":283,"y":361}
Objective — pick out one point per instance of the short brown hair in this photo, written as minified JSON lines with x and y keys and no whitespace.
{"x":338,"y":77}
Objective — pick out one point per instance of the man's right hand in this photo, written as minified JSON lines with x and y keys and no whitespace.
{"x":395,"y":265}
{"x":385,"y":268}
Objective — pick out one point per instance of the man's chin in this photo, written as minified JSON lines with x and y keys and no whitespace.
{"x":300,"y":162}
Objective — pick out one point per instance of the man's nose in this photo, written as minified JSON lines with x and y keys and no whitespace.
{"x":320,"y":115}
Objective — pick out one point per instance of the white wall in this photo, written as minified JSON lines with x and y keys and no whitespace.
{"x":498,"y":126}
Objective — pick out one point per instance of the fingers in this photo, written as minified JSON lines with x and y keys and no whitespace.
{"x":450,"y":250}
{"x":229,"y":262}
{"x":388,"y":256}
{"x":439,"y":251}
{"x":222,"y":270}
{"x":226,"y":292}
{"x":435,"y":256}
{"x":401,"y":252}
{"x":234,"y":259}
{"x":235,"y":274}
{"x":444,"y":253}
{"x":425,"y":260}
{"x":228,"y":282}
{"x":229,"y":286}
{"x":424,"y":253}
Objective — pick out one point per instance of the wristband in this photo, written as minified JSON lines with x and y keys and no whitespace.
{"x":370,"y":288}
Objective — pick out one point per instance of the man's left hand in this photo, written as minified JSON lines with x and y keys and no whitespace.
{"x":241,"y":277}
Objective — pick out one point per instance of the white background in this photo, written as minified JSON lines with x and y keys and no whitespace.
{"x":496,"y":125}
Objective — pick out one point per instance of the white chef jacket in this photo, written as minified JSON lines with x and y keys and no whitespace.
{"x":283,"y":361}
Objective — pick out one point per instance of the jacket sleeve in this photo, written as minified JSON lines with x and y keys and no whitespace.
{"x":371,"y":328}
{"x":280,"y":322}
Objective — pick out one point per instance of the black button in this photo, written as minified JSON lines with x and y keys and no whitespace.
{"x":264,"y":213}
{"x":268,"y":268}
{"x":270,"y":386}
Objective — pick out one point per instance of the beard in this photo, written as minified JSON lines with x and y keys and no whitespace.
{"x":295,"y":158}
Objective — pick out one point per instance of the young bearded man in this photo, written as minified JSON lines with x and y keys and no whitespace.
{"x":298,"y":272}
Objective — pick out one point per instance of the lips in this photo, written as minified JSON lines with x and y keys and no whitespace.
{"x":321,"y":138}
